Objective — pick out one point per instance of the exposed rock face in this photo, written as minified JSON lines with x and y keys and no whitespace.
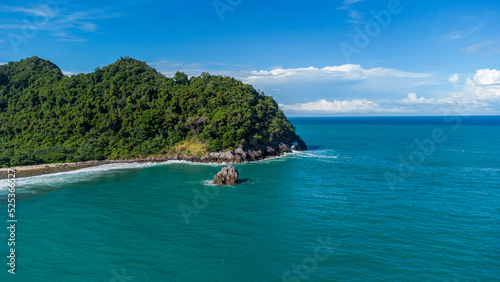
{"x":242,"y":154}
{"x":256,"y":153}
{"x":227,"y":176}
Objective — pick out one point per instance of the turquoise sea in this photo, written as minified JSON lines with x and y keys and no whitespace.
{"x":375,"y":199}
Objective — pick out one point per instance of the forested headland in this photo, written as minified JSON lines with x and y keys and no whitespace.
{"x":129,"y":110}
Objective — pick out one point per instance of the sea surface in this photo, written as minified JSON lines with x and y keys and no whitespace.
{"x":374,"y":199}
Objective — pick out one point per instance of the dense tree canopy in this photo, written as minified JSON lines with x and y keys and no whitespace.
{"x":126,"y":110}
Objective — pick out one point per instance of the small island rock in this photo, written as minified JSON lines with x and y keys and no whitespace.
{"x":227,"y":176}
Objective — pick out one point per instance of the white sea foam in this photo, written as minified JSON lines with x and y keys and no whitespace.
{"x":208,"y":183}
{"x":104,"y":168}
{"x":320,"y":154}
{"x":84,"y":174}
{"x":73,"y":176}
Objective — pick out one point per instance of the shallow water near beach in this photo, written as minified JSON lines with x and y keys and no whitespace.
{"x":365,"y":203}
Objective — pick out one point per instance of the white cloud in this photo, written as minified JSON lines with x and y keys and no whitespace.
{"x":339,"y":107}
{"x":57,"y":20}
{"x":483,"y":87}
{"x":69,"y":72}
{"x":476,"y":95}
{"x":412,"y":98}
{"x":454,"y":78}
{"x":476,"y":92}
{"x":343,"y":72}
{"x":481,"y":92}
{"x":335,"y":106}
{"x":2,"y":63}
{"x":487,"y":77}
{"x":455,"y":103}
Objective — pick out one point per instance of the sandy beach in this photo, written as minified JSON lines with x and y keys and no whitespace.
{"x":32,"y":170}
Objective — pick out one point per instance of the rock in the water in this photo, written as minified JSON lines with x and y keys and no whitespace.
{"x":227,"y":176}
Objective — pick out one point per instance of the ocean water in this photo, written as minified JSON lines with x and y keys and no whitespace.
{"x":375,"y":199}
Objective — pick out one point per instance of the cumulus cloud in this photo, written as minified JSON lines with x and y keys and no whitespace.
{"x":482,"y":92}
{"x":454,"y":78}
{"x":487,"y":77}
{"x":477,"y":94}
{"x":474,"y":95}
{"x":484,"y":87}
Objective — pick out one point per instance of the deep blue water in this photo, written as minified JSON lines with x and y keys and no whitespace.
{"x":375,"y":199}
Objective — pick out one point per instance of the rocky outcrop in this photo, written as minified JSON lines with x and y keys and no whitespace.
{"x":255,"y":153}
{"x":240,"y":155}
{"x":227,"y":176}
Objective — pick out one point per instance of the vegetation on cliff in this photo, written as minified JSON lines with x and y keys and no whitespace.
{"x":128,"y":110}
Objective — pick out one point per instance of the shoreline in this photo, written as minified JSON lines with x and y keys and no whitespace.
{"x":229,"y":157}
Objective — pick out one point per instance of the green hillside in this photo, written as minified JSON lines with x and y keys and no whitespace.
{"x":128,"y":110}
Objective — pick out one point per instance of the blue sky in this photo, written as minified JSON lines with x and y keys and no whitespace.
{"x":316,"y":58}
